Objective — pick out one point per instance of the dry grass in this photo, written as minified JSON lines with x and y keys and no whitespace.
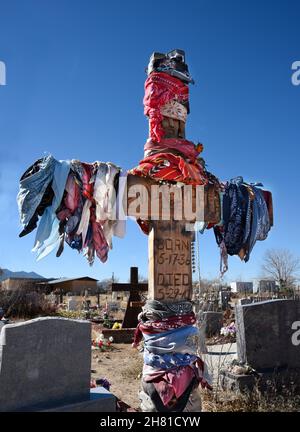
{"x":27,"y":305}
{"x":134,"y":370}
{"x":229,"y":401}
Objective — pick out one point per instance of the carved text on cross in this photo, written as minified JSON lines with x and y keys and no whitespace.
{"x":169,"y":246}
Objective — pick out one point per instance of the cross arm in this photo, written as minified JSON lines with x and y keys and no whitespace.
{"x":117,"y":287}
{"x":146,"y":198}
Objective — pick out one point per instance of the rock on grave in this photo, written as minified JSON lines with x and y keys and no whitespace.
{"x":265,"y":334}
{"x":45,"y":363}
{"x":213,"y":322}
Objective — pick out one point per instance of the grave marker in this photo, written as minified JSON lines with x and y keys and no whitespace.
{"x":134,"y":302}
{"x":45,"y":364}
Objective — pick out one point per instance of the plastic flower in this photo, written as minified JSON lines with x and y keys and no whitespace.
{"x":104,"y":383}
{"x":229,"y":330}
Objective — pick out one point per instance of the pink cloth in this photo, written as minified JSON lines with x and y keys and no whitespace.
{"x":174,"y":382}
{"x":71,"y":198}
{"x":161,"y":88}
{"x":99,"y":242}
{"x":72,"y":195}
{"x":187,"y":148}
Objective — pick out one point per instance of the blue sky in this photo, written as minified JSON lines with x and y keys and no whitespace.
{"x":75,"y":75}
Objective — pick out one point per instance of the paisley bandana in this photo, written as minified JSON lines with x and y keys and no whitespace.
{"x":156,"y":310}
{"x":160,"y":89}
{"x":174,"y":110}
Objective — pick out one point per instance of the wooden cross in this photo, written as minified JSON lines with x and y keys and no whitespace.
{"x":169,"y":245}
{"x":134,"y":301}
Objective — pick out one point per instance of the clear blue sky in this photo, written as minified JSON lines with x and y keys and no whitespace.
{"x":75,"y":75}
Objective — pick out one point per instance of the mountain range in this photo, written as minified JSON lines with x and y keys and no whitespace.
{"x":19,"y":274}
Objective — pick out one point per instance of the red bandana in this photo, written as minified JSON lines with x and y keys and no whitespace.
{"x":161,"y":88}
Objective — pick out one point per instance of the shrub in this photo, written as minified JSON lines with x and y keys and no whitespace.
{"x":22,"y":304}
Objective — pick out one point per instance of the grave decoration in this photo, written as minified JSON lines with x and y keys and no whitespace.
{"x":229,"y":330}
{"x":101,"y":382}
{"x":83,"y":204}
{"x":101,"y":343}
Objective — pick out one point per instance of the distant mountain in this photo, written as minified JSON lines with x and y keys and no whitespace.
{"x":19,"y":274}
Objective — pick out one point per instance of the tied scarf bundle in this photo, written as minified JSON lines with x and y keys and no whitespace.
{"x":173,"y":160}
{"x":160,"y":89}
{"x":72,"y":202}
{"x":247,"y":216}
{"x":172,"y":369}
{"x":170,"y":167}
{"x":169,"y":159}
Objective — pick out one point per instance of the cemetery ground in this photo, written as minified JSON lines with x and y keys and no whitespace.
{"x":122,"y":366}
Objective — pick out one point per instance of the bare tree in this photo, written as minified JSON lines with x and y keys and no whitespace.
{"x":282,"y":266}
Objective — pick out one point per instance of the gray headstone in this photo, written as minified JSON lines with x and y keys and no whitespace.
{"x":2,"y":323}
{"x":213,"y":322}
{"x":266,"y":334}
{"x":44,"y":362}
{"x":224,"y":299}
{"x":72,"y":304}
{"x":244,"y":301}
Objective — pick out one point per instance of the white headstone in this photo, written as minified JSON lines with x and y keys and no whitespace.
{"x":72,"y":304}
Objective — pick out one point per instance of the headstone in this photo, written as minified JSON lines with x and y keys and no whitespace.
{"x":242,"y":287}
{"x":244,"y":301}
{"x":264,"y":285}
{"x":72,"y":304}
{"x":134,"y":302}
{"x":87,"y":305}
{"x":266,"y":334}
{"x":113,"y":306}
{"x":213,"y":322}
{"x":52,"y":298}
{"x":224,"y":298}
{"x":45,"y":364}
{"x":114,"y":296}
{"x":201,"y":324}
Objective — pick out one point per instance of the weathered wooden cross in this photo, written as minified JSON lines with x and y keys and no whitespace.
{"x":169,"y":245}
{"x":167,"y":207}
{"x":134,"y":302}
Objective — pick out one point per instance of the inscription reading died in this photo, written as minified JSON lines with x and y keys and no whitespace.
{"x":173,"y":276}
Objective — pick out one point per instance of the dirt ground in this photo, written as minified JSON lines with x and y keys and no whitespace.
{"x":122,"y":367}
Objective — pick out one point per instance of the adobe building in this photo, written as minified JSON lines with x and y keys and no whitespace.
{"x":16,"y":284}
{"x":76,"y":286}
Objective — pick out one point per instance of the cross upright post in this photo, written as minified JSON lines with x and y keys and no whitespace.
{"x":134,"y":302}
